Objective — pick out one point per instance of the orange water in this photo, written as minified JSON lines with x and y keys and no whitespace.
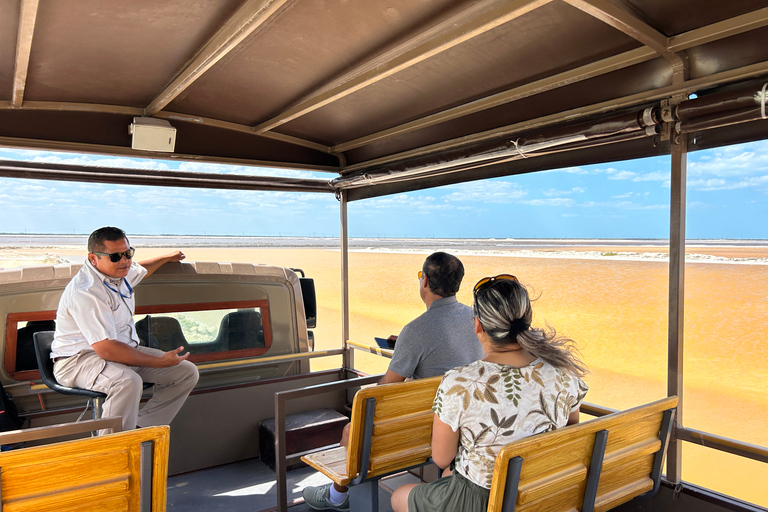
{"x":615,"y":310}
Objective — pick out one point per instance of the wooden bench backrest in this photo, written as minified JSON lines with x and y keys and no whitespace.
{"x":115,"y":472}
{"x":555,"y":465}
{"x":401,"y":426}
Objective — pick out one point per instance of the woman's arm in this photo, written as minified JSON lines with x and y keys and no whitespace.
{"x":445,"y":443}
{"x":573,"y":418}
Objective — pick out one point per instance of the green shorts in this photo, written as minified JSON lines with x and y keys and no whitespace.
{"x":449,"y":494}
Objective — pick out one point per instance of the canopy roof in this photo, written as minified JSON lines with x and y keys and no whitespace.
{"x":385,"y":96}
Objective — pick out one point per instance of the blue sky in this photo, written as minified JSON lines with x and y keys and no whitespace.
{"x":727,"y":198}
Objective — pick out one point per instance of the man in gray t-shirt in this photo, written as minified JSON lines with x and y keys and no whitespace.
{"x":443,"y":337}
{"x":440,"y":339}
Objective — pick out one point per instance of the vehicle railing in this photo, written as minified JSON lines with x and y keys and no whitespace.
{"x":701,"y":438}
{"x":264,"y":361}
{"x":282,"y":460}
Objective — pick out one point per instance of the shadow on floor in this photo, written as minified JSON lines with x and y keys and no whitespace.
{"x":250,"y":486}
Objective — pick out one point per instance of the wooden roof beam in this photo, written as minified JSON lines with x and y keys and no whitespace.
{"x":480,"y":18}
{"x":628,"y":24}
{"x":171,"y":116}
{"x":253,"y":15}
{"x":703,"y":35}
{"x":724,"y":77}
{"x":720,"y":30}
{"x":27,"y":18}
{"x":585,"y":72}
{"x":158,"y":178}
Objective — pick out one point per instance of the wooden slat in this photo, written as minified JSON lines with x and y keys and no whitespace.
{"x":402,"y":431}
{"x":332,"y":463}
{"x":99,"y":473}
{"x":395,"y":403}
{"x":555,"y":464}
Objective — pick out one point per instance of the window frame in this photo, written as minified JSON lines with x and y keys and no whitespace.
{"x":12,"y":320}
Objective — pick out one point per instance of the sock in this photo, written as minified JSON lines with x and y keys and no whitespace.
{"x":336,"y":496}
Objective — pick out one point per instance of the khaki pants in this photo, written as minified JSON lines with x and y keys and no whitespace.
{"x":124,"y":386}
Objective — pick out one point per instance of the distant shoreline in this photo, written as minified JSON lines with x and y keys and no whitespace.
{"x":28,"y":250}
{"x":52,"y":241}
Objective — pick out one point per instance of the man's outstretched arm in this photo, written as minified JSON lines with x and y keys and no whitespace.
{"x":153,"y":264}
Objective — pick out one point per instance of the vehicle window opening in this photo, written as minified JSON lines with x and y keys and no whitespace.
{"x":25,"y":350}
{"x":211,"y":331}
{"x":203,"y":332}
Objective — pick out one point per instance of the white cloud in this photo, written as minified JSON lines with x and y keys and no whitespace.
{"x":555,"y":192}
{"x":552,"y":201}
{"x":573,"y":170}
{"x":653,"y":176}
{"x":622,"y":205}
{"x":621,"y":175}
{"x":627,"y":195}
{"x":712,"y":184}
{"x":731,"y":161}
{"x":491,"y":191}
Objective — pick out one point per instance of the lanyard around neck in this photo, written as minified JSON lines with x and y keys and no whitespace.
{"x":117,"y":290}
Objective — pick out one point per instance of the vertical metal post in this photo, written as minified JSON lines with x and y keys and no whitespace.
{"x":676,"y":295}
{"x":349,"y":360}
{"x":514,"y":468}
{"x":595,"y":470}
{"x":280,"y":465}
{"x":146,"y":458}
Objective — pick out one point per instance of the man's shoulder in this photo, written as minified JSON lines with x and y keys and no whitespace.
{"x":449,"y":310}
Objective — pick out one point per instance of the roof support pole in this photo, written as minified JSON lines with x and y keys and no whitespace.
{"x":676,"y":297}
{"x":349,"y":355}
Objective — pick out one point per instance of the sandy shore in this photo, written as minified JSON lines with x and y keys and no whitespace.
{"x":614,"y":306}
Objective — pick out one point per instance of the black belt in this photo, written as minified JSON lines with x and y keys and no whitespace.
{"x":60,"y":358}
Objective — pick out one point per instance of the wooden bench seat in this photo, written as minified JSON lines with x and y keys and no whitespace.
{"x":124,"y":471}
{"x":590,"y":467}
{"x":390,"y":431}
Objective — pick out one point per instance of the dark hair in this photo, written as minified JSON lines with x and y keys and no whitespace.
{"x":444,"y":272}
{"x":105,"y":234}
{"x":504,"y":310}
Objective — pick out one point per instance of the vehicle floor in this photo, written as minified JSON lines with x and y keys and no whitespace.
{"x":250,"y":486}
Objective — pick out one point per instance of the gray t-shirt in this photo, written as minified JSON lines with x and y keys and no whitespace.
{"x":440,"y":339}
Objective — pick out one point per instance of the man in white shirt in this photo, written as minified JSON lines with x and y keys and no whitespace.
{"x":96,"y":346}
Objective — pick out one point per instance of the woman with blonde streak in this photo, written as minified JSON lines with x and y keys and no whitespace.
{"x":529,"y":382}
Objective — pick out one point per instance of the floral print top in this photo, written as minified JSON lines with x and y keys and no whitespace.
{"x":495,"y":404}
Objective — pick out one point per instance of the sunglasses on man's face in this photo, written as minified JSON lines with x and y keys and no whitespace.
{"x":114,"y":257}
{"x":486,"y":281}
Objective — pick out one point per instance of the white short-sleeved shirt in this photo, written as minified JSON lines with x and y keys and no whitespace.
{"x":492,"y":405}
{"x":95,"y":307}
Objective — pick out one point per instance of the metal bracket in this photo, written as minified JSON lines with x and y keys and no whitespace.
{"x":514,"y":467}
{"x":667,"y":118}
{"x":365,"y":450}
{"x":595,"y":468}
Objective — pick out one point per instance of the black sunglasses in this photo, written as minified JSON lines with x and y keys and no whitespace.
{"x":487,"y":280}
{"x":117,"y":256}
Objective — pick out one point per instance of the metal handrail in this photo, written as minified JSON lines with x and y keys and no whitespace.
{"x":706,"y":439}
{"x":384,"y":352}
{"x":281,"y":398}
{"x":723,"y":444}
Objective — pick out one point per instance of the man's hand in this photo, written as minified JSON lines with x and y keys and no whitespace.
{"x":153,"y":264}
{"x":172,"y":357}
{"x":174,"y":256}
{"x":117,"y":352}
